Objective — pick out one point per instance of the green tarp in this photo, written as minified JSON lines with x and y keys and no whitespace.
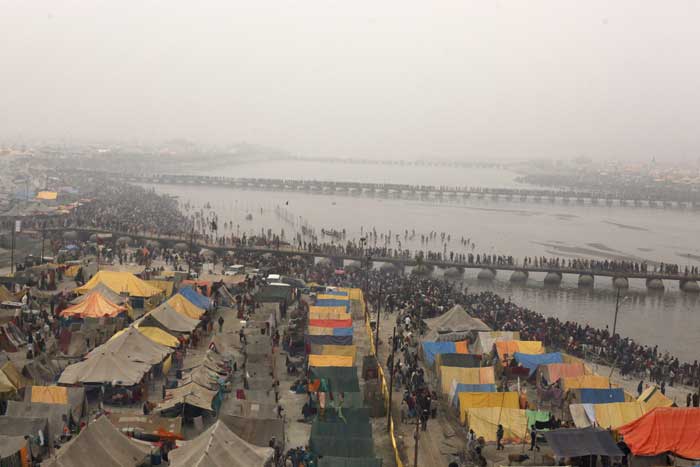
{"x":274,"y":293}
{"x":342,"y":379}
{"x":536,"y":416}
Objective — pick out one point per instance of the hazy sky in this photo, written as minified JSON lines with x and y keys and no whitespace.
{"x":385,"y":79}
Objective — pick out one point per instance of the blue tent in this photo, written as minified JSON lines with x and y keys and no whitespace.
{"x":471,"y":388}
{"x":601,"y":396}
{"x":330,"y":340}
{"x":431,"y":349}
{"x":342,"y":331}
{"x":331,"y":302}
{"x":197,"y":299}
{"x":531,"y":362}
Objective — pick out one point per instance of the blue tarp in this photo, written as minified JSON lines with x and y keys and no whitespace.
{"x":471,"y":388}
{"x":337,"y":293}
{"x":199,"y":300}
{"x":330,"y":340}
{"x":431,"y":349}
{"x":331,"y":302}
{"x":602,"y":396}
{"x":342,"y":331}
{"x":531,"y":362}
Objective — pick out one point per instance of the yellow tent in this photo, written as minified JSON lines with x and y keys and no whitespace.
{"x":652,"y":398}
{"x":121,"y":282}
{"x":156,"y":335}
{"x":484,"y":375}
{"x":331,"y":312}
{"x":183,"y":306}
{"x":330,"y":360}
{"x":344,"y":298}
{"x":94,"y":306}
{"x":485,"y":421}
{"x":319,"y":331}
{"x":5,"y":295}
{"x":72,"y":271}
{"x":478,"y":400}
{"x":341,"y":350}
{"x":354,"y":294}
{"x":47,"y":195}
{"x":50,"y":394}
{"x":11,"y":380}
{"x":616,"y":414}
{"x":586,"y":381}
{"x":509,"y":348}
{"x":165,"y":286}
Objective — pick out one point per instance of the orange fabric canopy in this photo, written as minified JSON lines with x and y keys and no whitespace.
{"x":665,"y":429}
{"x":94,"y":306}
{"x":462,"y":347}
{"x":556,"y":371}
{"x":331,"y":323}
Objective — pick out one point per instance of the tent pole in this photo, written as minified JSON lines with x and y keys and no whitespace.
{"x":391,"y":381}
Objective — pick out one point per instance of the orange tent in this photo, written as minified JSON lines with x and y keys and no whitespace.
{"x":665,"y":429}
{"x":94,"y":306}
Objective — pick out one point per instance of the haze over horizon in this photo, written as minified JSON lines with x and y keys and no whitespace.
{"x":392,"y":80}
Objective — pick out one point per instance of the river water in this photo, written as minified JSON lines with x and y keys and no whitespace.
{"x":669,"y":319}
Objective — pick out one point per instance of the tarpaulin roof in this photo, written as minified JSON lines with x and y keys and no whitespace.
{"x":553,"y":372}
{"x":532,"y":361}
{"x":484,"y":421}
{"x":321,"y":312}
{"x":616,"y":414}
{"x":166,"y":286}
{"x":95,"y":305}
{"x":601,"y":396}
{"x":324,"y":331}
{"x":344,"y":440}
{"x":330,"y":340}
{"x":274,"y":293}
{"x":159,"y":336}
{"x":331,"y":323}
{"x":347,"y":350}
{"x":54,"y":413}
{"x":49,"y":394}
{"x":506,"y":349}
{"x":484,"y":375}
{"x":130,"y":344}
{"x":171,"y":319}
{"x":330,"y":360}
{"x":431,"y":349}
{"x":572,"y":442}
{"x":462,"y":360}
{"x":333,"y":302}
{"x":257,"y":431}
{"x":460,"y":387}
{"x":337,"y":293}
{"x":10,"y":376}
{"x":219,"y":447}
{"x":486,"y":340}
{"x":189,"y":393}
{"x":332,"y":296}
{"x":120,"y":282}
{"x":665,"y":429}
{"x":197,"y":299}
{"x":183,"y":306}
{"x":106,"y":292}
{"x":585,"y":381}
{"x":652,"y":398}
{"x":341,"y":378}
{"x":11,"y":446}
{"x":47,"y":195}
{"x":250,"y":409}
{"x":453,"y":325}
{"x":105,"y":367}
{"x":477,"y":400}
{"x":99,"y":442}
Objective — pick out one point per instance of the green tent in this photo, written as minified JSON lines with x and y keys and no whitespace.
{"x":342,"y":379}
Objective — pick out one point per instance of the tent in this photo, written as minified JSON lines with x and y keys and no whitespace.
{"x":486,"y":340}
{"x":585,"y":381}
{"x":506,"y":349}
{"x":185,"y":307}
{"x":11,"y":380}
{"x":570,"y":442}
{"x":94,"y":306}
{"x":166,"y":317}
{"x":333,"y":302}
{"x":532,"y":362}
{"x":474,"y":400}
{"x":329,"y":340}
{"x":25,"y":426}
{"x":448,"y":374}
{"x":453,"y":325}
{"x":341,"y":379}
{"x":5,"y":295}
{"x":129,"y":344}
{"x":321,"y":331}
{"x":166,"y":286}
{"x":100,"y":442}
{"x":553,"y":372}
{"x":191,"y":394}
{"x":274,"y":294}
{"x":331,"y":323}
{"x":73,"y":396}
{"x":104,"y":367}
{"x":218,"y":446}
{"x":345,"y":350}
{"x":333,"y":296}
{"x":665,"y":429}
{"x":129,"y":422}
{"x":652,"y":398}
{"x":614,"y":415}
{"x":323,"y":312}
{"x":256,"y":431}
{"x":197,"y":299}
{"x":14,"y":451}
{"x":330,"y":360}
{"x":431,"y":349}
{"x":159,"y":336}
{"x":56,"y":414}
{"x":106,"y":292}
{"x":338,"y":438}
{"x":484,"y":421}
{"x":120,"y":282}
{"x":580,"y":416}
{"x":600,"y":396}
{"x":250,"y":409}
{"x":462,"y":360}
{"x":460,"y":387}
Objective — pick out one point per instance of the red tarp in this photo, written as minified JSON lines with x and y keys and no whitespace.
{"x":665,"y":429}
{"x":331,"y":323}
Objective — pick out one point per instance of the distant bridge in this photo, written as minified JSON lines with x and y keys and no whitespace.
{"x":487,"y":272}
{"x":418,"y":192}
